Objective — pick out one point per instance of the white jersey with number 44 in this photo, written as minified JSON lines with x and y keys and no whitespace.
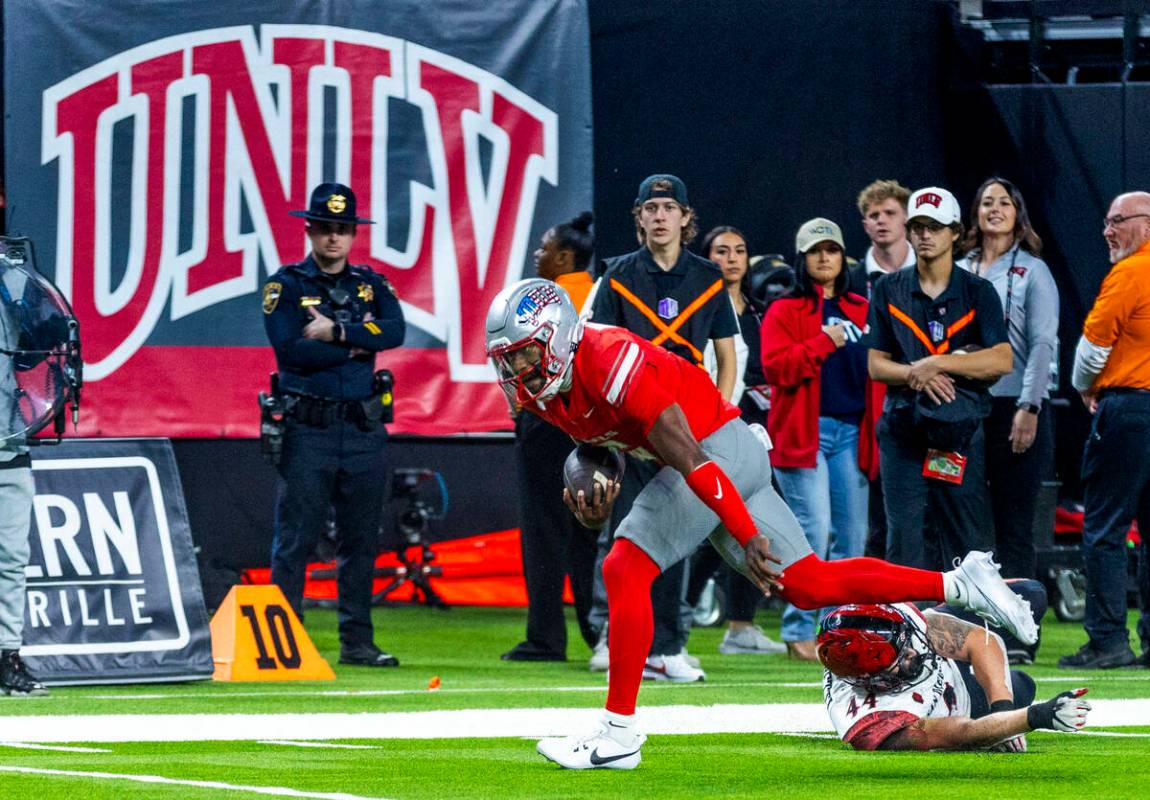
{"x":864,"y":718}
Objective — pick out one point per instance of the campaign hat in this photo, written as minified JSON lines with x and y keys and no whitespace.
{"x":332,"y":202}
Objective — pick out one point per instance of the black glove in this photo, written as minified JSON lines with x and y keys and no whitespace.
{"x":1066,"y":712}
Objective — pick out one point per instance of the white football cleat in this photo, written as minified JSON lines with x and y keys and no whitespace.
{"x":671,"y":668}
{"x":596,"y":750}
{"x":979,"y":587}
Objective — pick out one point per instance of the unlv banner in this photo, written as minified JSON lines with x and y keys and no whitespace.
{"x":154,"y":151}
{"x":113,"y":591}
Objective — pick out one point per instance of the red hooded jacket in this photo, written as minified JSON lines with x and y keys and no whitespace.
{"x":794,"y":348}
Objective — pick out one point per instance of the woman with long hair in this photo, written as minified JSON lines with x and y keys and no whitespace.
{"x":726,"y":246}
{"x":1002,"y":247}
{"x":823,"y":408}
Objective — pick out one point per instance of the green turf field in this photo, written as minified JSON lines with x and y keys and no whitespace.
{"x":462,"y":648}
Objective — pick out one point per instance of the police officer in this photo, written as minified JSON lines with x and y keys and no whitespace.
{"x":326,"y":319}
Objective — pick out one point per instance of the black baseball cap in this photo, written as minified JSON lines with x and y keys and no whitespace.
{"x":332,"y":202}
{"x":677,"y":190}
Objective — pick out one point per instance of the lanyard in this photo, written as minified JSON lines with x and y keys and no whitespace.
{"x":1010,"y":275}
{"x":1010,"y":286}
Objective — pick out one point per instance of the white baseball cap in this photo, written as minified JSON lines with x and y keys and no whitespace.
{"x":817,"y":230}
{"x":934,"y":203}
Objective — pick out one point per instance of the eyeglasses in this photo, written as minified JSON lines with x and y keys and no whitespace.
{"x":1118,"y":219}
{"x":919,"y":227}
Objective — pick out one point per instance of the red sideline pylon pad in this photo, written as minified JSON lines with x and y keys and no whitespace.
{"x":256,"y":636}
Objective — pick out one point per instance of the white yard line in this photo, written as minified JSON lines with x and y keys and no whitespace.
{"x":468,"y":723}
{"x":328,"y":745}
{"x":56,"y":747}
{"x":271,"y":791}
{"x":221,"y":694}
{"x":224,"y":695}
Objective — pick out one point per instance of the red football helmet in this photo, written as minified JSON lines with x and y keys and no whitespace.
{"x":862,"y":644}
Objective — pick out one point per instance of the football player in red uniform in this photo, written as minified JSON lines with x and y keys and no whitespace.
{"x":901,"y":679}
{"x":607,"y":386}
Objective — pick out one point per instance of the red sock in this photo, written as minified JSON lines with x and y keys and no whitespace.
{"x":628,"y":573}
{"x":814,"y":583}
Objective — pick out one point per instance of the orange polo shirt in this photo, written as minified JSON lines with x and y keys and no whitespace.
{"x":1120,"y":319}
{"x":578,"y":285}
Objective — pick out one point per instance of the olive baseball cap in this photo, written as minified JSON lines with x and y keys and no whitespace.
{"x":819,"y":229}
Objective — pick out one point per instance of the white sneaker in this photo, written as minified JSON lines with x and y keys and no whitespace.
{"x":690,"y":659}
{"x":600,"y":656}
{"x":596,"y":750}
{"x":750,"y":639}
{"x":978,"y":587}
{"x":672,"y":668}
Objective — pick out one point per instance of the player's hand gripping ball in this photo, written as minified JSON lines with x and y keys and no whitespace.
{"x":589,"y":466}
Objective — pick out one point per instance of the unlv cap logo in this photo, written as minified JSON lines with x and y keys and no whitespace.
{"x":257,"y":132}
{"x":930,"y":198}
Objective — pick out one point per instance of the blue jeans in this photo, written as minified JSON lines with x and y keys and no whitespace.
{"x":830,"y":503}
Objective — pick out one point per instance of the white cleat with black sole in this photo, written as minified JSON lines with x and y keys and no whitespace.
{"x":607,"y":747}
{"x":979,"y":587}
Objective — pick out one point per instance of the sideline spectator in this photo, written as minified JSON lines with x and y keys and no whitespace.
{"x":1003,"y":248}
{"x":552,"y":543}
{"x":823,"y":408}
{"x":727,"y":247}
{"x":326,"y":319}
{"x":900,"y":679}
{"x":1112,"y":371}
{"x":938,"y":341}
{"x":882,"y":205}
{"x":675,"y":299}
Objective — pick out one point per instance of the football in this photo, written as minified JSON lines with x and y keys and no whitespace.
{"x":589,"y":466}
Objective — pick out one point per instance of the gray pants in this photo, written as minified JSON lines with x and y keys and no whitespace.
{"x":668,"y":521}
{"x":16,"y":490}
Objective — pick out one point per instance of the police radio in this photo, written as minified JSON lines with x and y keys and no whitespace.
{"x":383,"y":394}
{"x":273,"y":410}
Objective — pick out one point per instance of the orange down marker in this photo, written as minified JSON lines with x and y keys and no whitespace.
{"x":256,"y":636}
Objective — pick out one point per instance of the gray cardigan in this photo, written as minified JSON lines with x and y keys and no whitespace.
{"x":1032,"y":323}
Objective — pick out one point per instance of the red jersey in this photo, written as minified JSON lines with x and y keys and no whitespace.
{"x":621,"y":383}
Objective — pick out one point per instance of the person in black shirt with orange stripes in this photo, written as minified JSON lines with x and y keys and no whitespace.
{"x":676,"y":299}
{"x":936,"y":337}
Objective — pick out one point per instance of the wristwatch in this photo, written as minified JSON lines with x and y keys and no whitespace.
{"x":1030,"y":407}
{"x":337,"y":332}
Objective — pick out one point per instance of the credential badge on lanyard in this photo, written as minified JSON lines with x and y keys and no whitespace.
{"x":937,"y":331}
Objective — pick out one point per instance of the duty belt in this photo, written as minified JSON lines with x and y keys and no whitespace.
{"x":321,"y":411}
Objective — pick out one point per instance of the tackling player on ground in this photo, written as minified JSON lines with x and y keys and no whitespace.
{"x":607,"y":386}
{"x":900,"y":679}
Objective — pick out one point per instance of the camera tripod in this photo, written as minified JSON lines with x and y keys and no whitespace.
{"x":415,"y":571}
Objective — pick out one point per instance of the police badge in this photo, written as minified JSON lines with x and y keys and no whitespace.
{"x":365,"y":293}
{"x":272,"y":292}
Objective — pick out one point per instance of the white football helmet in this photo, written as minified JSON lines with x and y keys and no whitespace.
{"x":533,"y":312}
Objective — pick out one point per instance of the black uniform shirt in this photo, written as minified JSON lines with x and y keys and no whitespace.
{"x":905,"y":322}
{"x":359,"y":298}
{"x":667,"y":294}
